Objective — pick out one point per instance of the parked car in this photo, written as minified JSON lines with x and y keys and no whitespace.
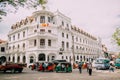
{"x":64,"y":67}
{"x":117,"y":63}
{"x":102,"y":63}
{"x":13,"y":67}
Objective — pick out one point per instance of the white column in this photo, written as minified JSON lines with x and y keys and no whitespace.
{"x":36,"y":56}
{"x":27,"y":59}
{"x":16,"y":58}
{"x":21,"y":58}
{"x":46,"y":57}
{"x":46,"y":43}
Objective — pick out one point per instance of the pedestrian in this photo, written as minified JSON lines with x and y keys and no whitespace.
{"x":90,"y":68}
{"x":80,"y":67}
{"x":63,"y":67}
{"x":87,"y":67}
{"x":111,"y":67}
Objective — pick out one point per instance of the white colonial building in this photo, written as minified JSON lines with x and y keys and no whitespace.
{"x":46,"y":36}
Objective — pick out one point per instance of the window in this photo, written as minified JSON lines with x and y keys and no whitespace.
{"x":42,"y":30}
{"x":9,"y":47}
{"x":66,"y":57}
{"x":42,"y":19}
{"x":34,"y":42}
{"x":41,"y":57}
{"x":62,"y":57}
{"x":18,"y":46}
{"x":9,"y":38}
{"x":63,"y":44}
{"x":67,"y":36}
{"x":49,"y":42}
{"x":23,"y":33}
{"x":42,"y":41}
{"x":49,"y":31}
{"x":67,"y":45}
{"x":13,"y":37}
{"x":77,"y":57}
{"x":18,"y":35}
{"x":31,"y":59}
{"x":35,"y":31}
{"x":48,"y":19}
{"x":13,"y":47}
{"x":2,"y":49}
{"x":76,"y":47}
{"x":76,"y":38}
{"x":67,"y":25}
{"x":62,"y":34}
{"x":62,"y":23}
{"x":23,"y":45}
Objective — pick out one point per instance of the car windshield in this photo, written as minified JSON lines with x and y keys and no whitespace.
{"x":117,"y":61}
{"x":102,"y":61}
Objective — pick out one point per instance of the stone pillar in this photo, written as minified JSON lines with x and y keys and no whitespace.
{"x":36,"y":57}
{"x":16,"y":58}
{"x":46,"y":43}
{"x":27,"y":59}
{"x":21,"y":58}
{"x":46,"y":57}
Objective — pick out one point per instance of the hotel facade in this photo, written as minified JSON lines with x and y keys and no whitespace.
{"x":47,"y":36}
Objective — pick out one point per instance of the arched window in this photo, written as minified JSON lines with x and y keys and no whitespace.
{"x":9,"y":58}
{"x":77,"y":57}
{"x":23,"y":45}
{"x":24,"y":59}
{"x":18,"y":59}
{"x":31,"y":59}
{"x":84,"y":58}
{"x":13,"y":59}
{"x":41,"y":57}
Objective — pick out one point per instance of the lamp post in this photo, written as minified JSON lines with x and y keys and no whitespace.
{"x":73,"y":52}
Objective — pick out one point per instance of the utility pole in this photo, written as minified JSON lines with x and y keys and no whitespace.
{"x":73,"y":51}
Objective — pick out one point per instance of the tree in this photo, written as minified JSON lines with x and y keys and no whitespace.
{"x":15,"y":4}
{"x":116,"y":36}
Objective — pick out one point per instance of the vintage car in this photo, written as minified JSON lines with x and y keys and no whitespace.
{"x":64,"y":67}
{"x":13,"y":67}
{"x":46,"y":66}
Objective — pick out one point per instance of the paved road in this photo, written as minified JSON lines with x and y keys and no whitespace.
{"x":75,"y":75}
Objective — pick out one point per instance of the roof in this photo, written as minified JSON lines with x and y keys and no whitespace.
{"x":2,"y":41}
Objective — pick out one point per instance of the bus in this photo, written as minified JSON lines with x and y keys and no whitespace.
{"x":102,"y":63}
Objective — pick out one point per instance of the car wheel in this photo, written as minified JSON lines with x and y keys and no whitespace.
{"x":13,"y":70}
{"x":20,"y":71}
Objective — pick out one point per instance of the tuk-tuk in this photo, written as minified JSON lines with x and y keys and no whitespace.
{"x":117,"y":63}
{"x":64,"y":67}
{"x":46,"y":66}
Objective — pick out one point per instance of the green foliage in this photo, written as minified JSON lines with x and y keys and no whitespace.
{"x":19,"y":3}
{"x":116,"y":36}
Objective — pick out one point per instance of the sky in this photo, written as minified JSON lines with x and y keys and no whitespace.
{"x":97,"y":17}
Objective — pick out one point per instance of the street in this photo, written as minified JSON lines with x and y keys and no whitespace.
{"x":27,"y":74}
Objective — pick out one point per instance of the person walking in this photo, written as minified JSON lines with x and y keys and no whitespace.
{"x":111,"y":67}
{"x":90,"y":68}
{"x":80,"y":67}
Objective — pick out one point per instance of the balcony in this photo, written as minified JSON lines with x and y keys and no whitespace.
{"x":43,"y":34}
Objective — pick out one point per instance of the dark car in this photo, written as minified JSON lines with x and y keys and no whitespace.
{"x":13,"y":67}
